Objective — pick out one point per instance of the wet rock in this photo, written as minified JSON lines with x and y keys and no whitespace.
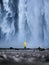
{"x":47,"y":58}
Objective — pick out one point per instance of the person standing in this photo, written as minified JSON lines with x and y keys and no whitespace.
{"x":25,"y":44}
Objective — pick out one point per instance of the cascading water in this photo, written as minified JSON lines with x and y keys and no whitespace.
{"x":23,"y":24}
{"x":24,"y":20}
{"x":8,"y":21}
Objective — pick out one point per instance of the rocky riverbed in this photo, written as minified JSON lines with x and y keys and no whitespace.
{"x":24,"y":57}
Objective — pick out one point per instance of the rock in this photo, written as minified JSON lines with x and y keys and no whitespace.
{"x":16,"y":59}
{"x":47,"y":58}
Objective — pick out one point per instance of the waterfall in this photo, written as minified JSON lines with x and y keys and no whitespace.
{"x":21,"y":18}
{"x":24,"y":20}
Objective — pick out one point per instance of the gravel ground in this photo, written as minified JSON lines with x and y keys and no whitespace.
{"x":24,"y":57}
